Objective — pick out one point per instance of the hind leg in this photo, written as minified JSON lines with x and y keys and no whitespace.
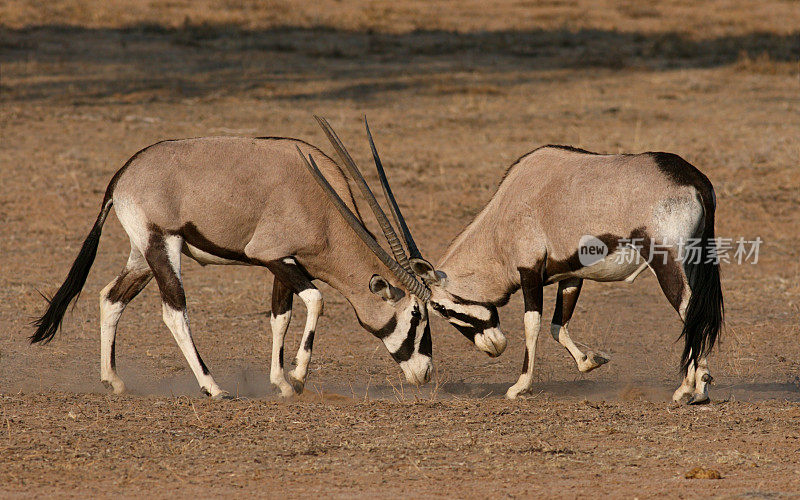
{"x":113,"y":299}
{"x":163,"y":255}
{"x":566,"y":298}
{"x":675,"y":285}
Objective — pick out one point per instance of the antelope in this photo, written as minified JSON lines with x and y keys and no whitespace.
{"x":273,"y":202}
{"x":530,"y":235}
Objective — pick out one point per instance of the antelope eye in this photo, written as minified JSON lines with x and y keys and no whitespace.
{"x":415,"y":313}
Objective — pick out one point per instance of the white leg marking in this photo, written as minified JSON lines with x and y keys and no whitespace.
{"x":109,"y":317}
{"x":585,"y":362}
{"x":110,"y":313}
{"x":702,"y":379}
{"x":687,"y":386}
{"x":312,"y":298}
{"x":178,"y":323}
{"x":280,"y":324}
{"x":533,"y":321}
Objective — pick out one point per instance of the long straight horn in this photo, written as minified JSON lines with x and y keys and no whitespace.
{"x":413,"y":251}
{"x":407,"y":279}
{"x":383,"y":221}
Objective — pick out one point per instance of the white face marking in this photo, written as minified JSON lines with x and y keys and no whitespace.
{"x":398,"y":336}
{"x":458,"y":322}
{"x":491,"y":341}
{"x":418,"y":369}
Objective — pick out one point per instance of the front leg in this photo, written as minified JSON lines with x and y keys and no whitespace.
{"x":568,"y":292}
{"x":532,"y":284}
{"x":279,"y":320}
{"x":293,"y":278}
{"x":314,"y":305}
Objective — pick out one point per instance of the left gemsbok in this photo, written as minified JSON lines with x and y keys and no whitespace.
{"x":274,"y":202}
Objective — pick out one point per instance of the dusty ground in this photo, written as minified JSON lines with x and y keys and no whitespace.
{"x":455,"y":91}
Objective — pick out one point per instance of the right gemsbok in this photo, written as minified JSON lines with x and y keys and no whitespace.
{"x":563,"y":215}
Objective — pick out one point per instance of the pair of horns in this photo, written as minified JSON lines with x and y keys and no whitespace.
{"x":399,"y":265}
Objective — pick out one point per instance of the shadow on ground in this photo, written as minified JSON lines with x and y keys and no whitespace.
{"x":153,"y":62}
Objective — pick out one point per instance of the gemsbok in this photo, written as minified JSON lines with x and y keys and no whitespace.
{"x":258,"y":202}
{"x":636,"y":210}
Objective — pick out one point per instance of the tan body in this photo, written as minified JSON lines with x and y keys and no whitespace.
{"x":251,"y":201}
{"x":529,"y":235}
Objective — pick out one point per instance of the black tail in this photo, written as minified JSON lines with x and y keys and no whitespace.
{"x":705,"y":312}
{"x":49,"y":323}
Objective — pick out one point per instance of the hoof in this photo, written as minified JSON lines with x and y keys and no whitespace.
{"x":297,"y":385}
{"x":117,"y":386}
{"x":512,"y":394}
{"x":699,"y":399}
{"x":216,"y":393}
{"x":593,"y":360}
{"x":518,"y":390}
{"x":284,"y":388}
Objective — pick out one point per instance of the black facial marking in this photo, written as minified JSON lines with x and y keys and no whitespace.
{"x":169,"y":284}
{"x":476,"y":325}
{"x":383,"y":331}
{"x":407,"y":347}
{"x":426,"y":344}
{"x":309,"y":343}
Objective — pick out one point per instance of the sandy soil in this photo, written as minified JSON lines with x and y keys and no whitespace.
{"x":455,"y":91}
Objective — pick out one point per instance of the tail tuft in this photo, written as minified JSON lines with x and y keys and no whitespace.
{"x":49,"y":323}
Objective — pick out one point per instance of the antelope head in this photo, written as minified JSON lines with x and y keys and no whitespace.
{"x":477,"y":321}
{"x":406,"y":334}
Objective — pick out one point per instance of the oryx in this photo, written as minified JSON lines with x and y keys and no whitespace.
{"x":550,"y":204}
{"x":251,"y":201}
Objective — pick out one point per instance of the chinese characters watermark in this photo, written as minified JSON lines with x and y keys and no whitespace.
{"x":686,"y":250}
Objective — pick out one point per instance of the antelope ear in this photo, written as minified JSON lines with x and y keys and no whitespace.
{"x":379,"y":286}
{"x":425,"y":270}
